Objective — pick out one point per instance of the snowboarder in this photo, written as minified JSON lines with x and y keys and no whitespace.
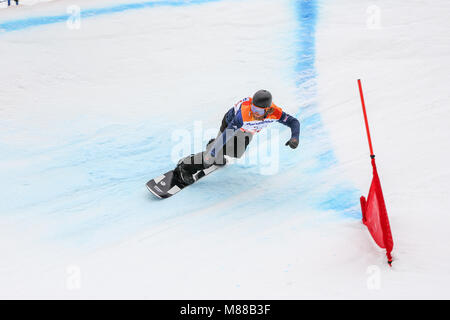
{"x":240,"y":123}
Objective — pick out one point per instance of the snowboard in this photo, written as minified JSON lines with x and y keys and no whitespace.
{"x":168,"y":184}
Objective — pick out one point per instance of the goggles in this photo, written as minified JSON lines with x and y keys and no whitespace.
{"x":258,"y":110}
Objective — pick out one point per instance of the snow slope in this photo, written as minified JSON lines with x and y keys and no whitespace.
{"x":89,"y":115}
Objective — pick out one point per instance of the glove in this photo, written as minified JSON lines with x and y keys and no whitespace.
{"x":293,"y":143}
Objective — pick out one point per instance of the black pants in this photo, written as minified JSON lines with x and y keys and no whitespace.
{"x":235,"y":148}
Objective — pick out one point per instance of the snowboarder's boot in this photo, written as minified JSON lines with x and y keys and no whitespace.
{"x":183,"y":174}
{"x":221,"y":163}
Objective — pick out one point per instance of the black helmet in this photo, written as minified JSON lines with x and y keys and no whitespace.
{"x":262,"y":99}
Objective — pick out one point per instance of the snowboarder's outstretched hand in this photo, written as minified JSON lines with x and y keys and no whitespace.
{"x":293,"y":143}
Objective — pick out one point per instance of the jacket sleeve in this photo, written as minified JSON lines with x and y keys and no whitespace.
{"x":227,"y":118}
{"x":228,"y":132}
{"x":292,"y":123}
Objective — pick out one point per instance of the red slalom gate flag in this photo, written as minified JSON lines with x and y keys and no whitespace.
{"x":373,"y":209}
{"x":375,"y":215}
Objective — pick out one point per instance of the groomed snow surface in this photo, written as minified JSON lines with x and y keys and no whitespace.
{"x":89,"y":114}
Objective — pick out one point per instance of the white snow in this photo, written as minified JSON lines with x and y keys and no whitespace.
{"x":87,"y":116}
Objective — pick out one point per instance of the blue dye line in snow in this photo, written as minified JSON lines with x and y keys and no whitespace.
{"x":14,"y":25}
{"x":342,"y":198}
